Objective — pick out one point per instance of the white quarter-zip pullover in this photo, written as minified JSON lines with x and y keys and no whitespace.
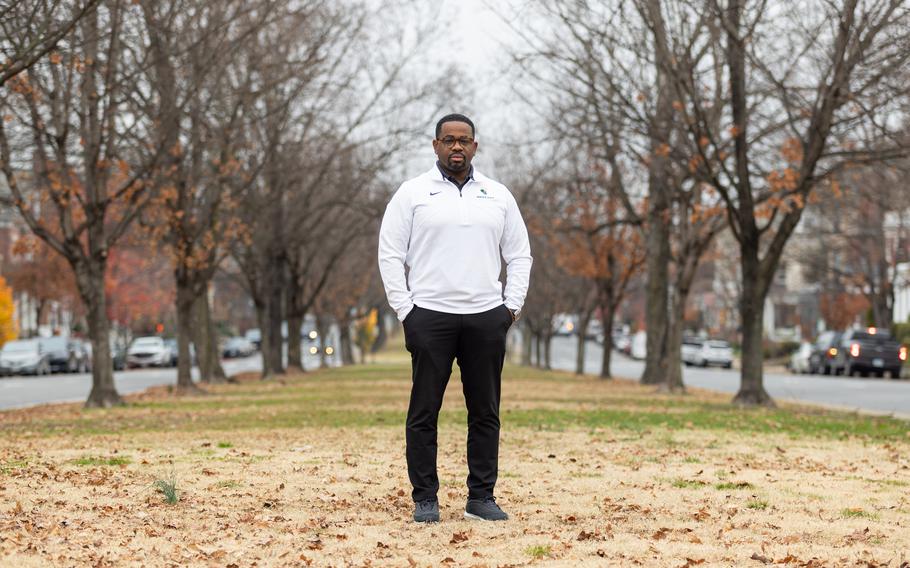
{"x":450,"y":240}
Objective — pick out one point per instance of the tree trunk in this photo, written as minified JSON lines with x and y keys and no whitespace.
{"x":218,"y":374}
{"x":527,"y":345}
{"x":583,"y":320}
{"x":751,"y":309}
{"x":344,"y":342}
{"x":185,"y":301}
{"x":322,"y":330}
{"x":295,"y":353}
{"x":607,"y":314}
{"x":201,"y":340}
{"x":658,"y":221}
{"x":262,"y":317}
{"x":580,"y":354}
{"x":547,"y":343}
{"x":674,"y":381}
{"x":206,"y":340}
{"x":275,"y":311}
{"x":91,"y":287}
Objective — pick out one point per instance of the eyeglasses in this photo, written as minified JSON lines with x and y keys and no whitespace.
{"x":449,"y":141}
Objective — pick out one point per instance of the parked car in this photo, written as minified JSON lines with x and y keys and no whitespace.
{"x":66,"y":355}
{"x":118,"y":355}
{"x":689,"y":350}
{"x":254,"y":336}
{"x":639,"y":347}
{"x":148,"y":351}
{"x":824,"y":351}
{"x":799,"y":360}
{"x":622,"y":342}
{"x":871,"y":350}
{"x":237,"y":347}
{"x":711,"y":352}
{"x":172,"y":346}
{"x":24,"y":357}
{"x":83,"y":350}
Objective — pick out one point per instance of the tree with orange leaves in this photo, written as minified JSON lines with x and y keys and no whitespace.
{"x":30,"y":269}
{"x":66,"y":117}
{"x":596,"y":242}
{"x":8,"y":327}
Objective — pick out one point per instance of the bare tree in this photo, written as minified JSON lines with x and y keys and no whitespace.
{"x":31,"y":30}
{"x":806,"y":90}
{"x":66,"y":116}
{"x":204,"y":67}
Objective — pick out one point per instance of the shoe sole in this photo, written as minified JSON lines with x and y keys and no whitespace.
{"x":471,"y":517}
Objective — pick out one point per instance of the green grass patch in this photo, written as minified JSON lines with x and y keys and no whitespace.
{"x":538,"y":552}
{"x":757,"y":504}
{"x":691,"y":459}
{"x":228,"y":484}
{"x":376,"y":395}
{"x":732,"y":486}
{"x":96,"y":461}
{"x":858,"y":513}
{"x":681,"y":483}
{"x":10,"y":465}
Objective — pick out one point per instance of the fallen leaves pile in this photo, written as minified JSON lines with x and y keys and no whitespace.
{"x":340,"y":497}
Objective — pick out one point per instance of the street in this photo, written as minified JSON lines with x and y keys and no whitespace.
{"x":19,"y":391}
{"x":869,"y":395}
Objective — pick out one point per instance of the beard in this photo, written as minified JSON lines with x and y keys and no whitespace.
{"x":457,"y":166}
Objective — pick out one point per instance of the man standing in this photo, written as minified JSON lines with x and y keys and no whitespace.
{"x":449,"y":227}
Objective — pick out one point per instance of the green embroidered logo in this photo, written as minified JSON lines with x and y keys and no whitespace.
{"x":483,"y":191}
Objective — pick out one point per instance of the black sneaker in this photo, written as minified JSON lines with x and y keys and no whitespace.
{"x":484,"y":510}
{"x":426,"y":511}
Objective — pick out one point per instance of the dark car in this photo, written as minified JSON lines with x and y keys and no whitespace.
{"x":171,"y":344}
{"x":118,"y":355}
{"x":824,"y":352}
{"x":869,"y":351}
{"x":66,"y":355}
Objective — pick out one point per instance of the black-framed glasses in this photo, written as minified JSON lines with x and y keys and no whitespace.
{"x":449,"y":141}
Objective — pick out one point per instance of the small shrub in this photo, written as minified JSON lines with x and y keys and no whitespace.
{"x":757,"y":504}
{"x":168,"y":487}
{"x":225,"y":445}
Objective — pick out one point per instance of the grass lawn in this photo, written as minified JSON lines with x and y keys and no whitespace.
{"x":310,"y":471}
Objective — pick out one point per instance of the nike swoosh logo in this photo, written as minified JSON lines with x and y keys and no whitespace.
{"x":437,"y":193}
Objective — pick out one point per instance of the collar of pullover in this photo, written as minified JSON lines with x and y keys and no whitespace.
{"x":458,"y":184}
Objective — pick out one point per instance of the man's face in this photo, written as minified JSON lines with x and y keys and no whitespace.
{"x":455,"y":146}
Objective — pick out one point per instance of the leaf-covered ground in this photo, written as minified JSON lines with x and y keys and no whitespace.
{"x":310,"y":471}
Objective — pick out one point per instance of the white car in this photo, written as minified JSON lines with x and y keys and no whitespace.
{"x":24,"y":356}
{"x":799,"y":360}
{"x":148,"y":352}
{"x":710,"y":352}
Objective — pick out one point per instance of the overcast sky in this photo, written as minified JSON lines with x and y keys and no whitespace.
{"x":483,"y":57}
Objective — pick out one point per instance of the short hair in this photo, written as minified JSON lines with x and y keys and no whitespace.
{"x":454,"y":118}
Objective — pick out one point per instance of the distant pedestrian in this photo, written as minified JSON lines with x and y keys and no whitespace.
{"x":449,"y":226}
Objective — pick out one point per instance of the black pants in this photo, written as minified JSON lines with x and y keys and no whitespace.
{"x":478,"y":343}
